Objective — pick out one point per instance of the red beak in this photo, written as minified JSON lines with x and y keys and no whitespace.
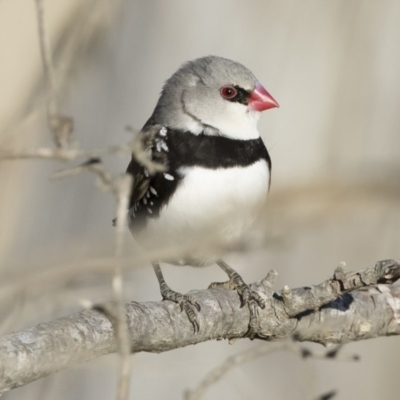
{"x":261,"y":100}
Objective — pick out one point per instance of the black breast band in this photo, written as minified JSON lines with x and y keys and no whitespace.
{"x":179,"y":149}
{"x":187,"y":149}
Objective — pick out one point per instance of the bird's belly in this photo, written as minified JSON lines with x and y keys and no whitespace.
{"x":209,"y":207}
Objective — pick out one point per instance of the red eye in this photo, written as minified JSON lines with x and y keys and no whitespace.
{"x":228,"y":92}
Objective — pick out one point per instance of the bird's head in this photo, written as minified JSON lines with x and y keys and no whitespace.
{"x":214,"y":96}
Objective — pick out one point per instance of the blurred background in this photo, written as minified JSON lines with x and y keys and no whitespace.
{"x":334,"y":142}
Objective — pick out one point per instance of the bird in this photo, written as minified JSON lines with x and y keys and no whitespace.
{"x":201,"y":170}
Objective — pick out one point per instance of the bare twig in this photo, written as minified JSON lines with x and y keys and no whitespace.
{"x":60,"y":126}
{"x":365,"y":313}
{"x":66,"y":154}
{"x":47,"y":63}
{"x":42,"y":153}
{"x":14,"y":283}
{"x":123,"y":188}
{"x":216,"y":374}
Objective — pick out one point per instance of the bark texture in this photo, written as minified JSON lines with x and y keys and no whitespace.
{"x":348,"y":307}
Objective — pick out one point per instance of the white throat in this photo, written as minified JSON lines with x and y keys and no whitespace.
{"x":241,"y":125}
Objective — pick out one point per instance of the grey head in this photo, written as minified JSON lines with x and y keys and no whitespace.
{"x":214,"y":96}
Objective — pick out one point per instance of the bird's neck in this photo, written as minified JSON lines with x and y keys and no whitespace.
{"x":244,"y":129}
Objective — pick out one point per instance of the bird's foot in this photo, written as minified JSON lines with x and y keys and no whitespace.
{"x":247,"y":296}
{"x":246,"y":293}
{"x":254,"y":323}
{"x":186,"y":302}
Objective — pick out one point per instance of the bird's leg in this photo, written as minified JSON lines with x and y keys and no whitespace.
{"x":186,"y":302}
{"x":236,"y":283}
{"x":247,"y":296}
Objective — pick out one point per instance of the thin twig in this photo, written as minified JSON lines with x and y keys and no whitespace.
{"x":65,"y":154}
{"x":217,"y":373}
{"x":60,"y":126}
{"x":123,"y":187}
{"x":52,"y":108}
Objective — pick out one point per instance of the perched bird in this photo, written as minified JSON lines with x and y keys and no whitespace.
{"x":214,"y":169}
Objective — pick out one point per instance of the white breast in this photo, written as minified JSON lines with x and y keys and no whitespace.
{"x":223,"y":203}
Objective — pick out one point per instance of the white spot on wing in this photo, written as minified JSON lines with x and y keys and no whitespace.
{"x":154,"y":191}
{"x":164,"y":146}
{"x":161,"y":145}
{"x":168,"y":177}
{"x":163,"y":131}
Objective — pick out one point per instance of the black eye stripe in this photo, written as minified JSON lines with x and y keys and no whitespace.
{"x":242,"y":96}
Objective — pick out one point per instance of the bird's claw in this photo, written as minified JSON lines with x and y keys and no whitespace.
{"x":246,"y":293}
{"x":254,"y":325}
{"x":186,"y":303}
{"x":247,"y":296}
{"x":188,"y":307}
{"x":184,"y":299}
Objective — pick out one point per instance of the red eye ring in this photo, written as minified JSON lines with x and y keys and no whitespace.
{"x":228,"y":92}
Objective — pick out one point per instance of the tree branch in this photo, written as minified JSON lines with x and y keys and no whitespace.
{"x":348,"y":307}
